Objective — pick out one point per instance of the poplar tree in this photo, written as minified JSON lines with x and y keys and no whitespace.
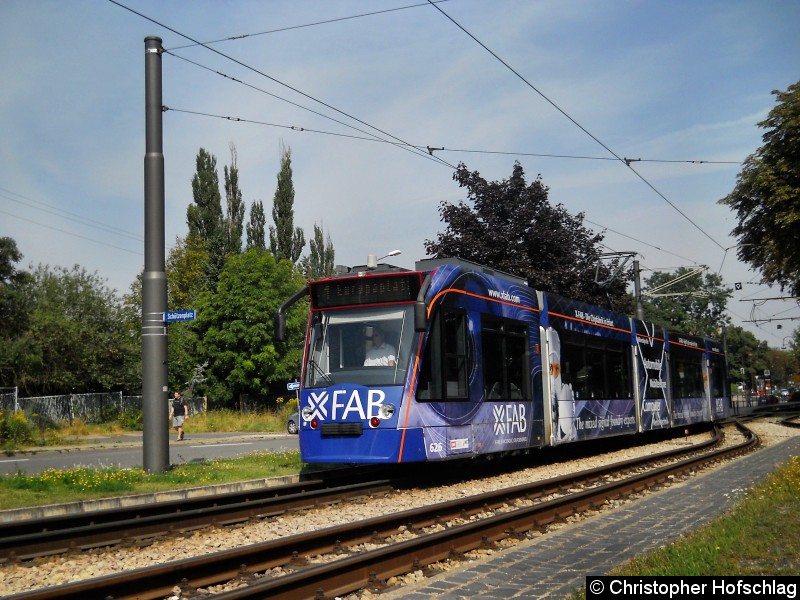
{"x":204,"y":214}
{"x":320,"y":261}
{"x":255,"y":227}
{"x":234,"y":219}
{"x":285,"y":240}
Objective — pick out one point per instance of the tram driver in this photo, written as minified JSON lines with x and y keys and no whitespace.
{"x":381,"y":354}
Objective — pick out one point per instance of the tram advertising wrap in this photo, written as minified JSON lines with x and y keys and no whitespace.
{"x":591,"y":371}
{"x":456,"y":360}
{"x":651,"y":366}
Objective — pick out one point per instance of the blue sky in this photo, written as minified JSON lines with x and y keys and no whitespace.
{"x":661,"y":81}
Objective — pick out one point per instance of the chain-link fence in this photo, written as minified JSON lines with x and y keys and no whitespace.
{"x":91,"y":408}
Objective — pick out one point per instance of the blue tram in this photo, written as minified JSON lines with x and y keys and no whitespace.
{"x":456,"y":360}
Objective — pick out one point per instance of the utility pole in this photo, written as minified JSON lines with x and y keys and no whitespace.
{"x":155,"y":411}
{"x":637,"y":291}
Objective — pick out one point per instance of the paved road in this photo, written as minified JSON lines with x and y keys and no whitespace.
{"x":125,"y":450}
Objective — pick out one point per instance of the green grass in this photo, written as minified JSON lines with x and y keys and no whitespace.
{"x":84,"y":483}
{"x":20,"y":432}
{"x":760,"y":536}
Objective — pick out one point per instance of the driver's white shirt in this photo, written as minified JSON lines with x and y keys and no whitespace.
{"x":380,"y":356}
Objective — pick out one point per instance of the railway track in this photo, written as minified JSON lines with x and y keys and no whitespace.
{"x":435,"y":533}
{"x":32,"y":538}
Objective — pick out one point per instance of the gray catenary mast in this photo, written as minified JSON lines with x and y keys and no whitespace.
{"x":154,"y":281}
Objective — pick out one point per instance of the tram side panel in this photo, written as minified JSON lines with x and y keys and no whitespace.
{"x":688,"y":375}
{"x":652,"y":376}
{"x":590,"y":370}
{"x":719,"y":390}
{"x":479,"y":382}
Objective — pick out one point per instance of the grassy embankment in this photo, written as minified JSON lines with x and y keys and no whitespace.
{"x":760,"y":536}
{"x":85,"y":483}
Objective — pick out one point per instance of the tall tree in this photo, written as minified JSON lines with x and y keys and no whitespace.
{"x":320,"y":261}
{"x":766,"y":197}
{"x":237,"y":332}
{"x":15,"y":311}
{"x":78,"y":336}
{"x":747,"y":356}
{"x":14,"y":288}
{"x":186,"y":281}
{"x":256,"y":237}
{"x":204,"y":214}
{"x":285,"y":240}
{"x":513,"y":227}
{"x":694,"y":303}
{"x":234,"y":218}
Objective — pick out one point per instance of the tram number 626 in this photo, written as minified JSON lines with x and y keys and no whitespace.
{"x":436,"y":447}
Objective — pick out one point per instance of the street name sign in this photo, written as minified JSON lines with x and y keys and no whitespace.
{"x":179,"y":315}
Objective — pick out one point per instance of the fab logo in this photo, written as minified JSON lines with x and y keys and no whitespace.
{"x":344,"y":404}
{"x":509,"y":419}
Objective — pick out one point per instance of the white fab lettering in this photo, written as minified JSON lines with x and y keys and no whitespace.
{"x":375,"y":399}
{"x":354,"y":405}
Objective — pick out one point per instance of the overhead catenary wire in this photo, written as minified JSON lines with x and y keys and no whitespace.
{"x":83,"y":237}
{"x":403,"y":143}
{"x":65,"y":214}
{"x":627,"y":163}
{"x":273,"y":79}
{"x":373,"y":137}
{"x":304,"y":25}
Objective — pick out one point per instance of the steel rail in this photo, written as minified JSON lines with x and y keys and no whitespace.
{"x":222,"y":566}
{"x":374,"y":567}
{"x":23,"y":541}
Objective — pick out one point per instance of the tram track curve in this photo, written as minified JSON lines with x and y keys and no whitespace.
{"x":370,"y":567}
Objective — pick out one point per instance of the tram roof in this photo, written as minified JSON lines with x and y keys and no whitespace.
{"x":428,"y":264}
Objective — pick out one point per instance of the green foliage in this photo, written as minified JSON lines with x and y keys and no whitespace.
{"x":14,"y":292}
{"x":320,"y":261}
{"x":185,"y":272}
{"x":697,"y":306}
{"x":513,"y":227}
{"x":78,"y":336}
{"x":255,"y":227}
{"x":285,"y":240}
{"x":15,"y":430}
{"x":746,"y":352}
{"x":15,"y":311}
{"x":204,"y":215}
{"x":766,"y":197}
{"x":234,"y":217}
{"x":236,"y":326}
{"x":53,"y":486}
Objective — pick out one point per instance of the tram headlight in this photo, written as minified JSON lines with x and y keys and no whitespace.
{"x":306,"y":413}
{"x":386,"y":411}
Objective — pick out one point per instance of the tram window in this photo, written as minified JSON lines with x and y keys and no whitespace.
{"x":687,"y":374}
{"x":445,"y":361}
{"x":596,"y":368}
{"x":505,"y":359}
{"x":717,"y":378}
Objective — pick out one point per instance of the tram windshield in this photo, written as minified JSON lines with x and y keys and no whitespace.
{"x":363,"y":345}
